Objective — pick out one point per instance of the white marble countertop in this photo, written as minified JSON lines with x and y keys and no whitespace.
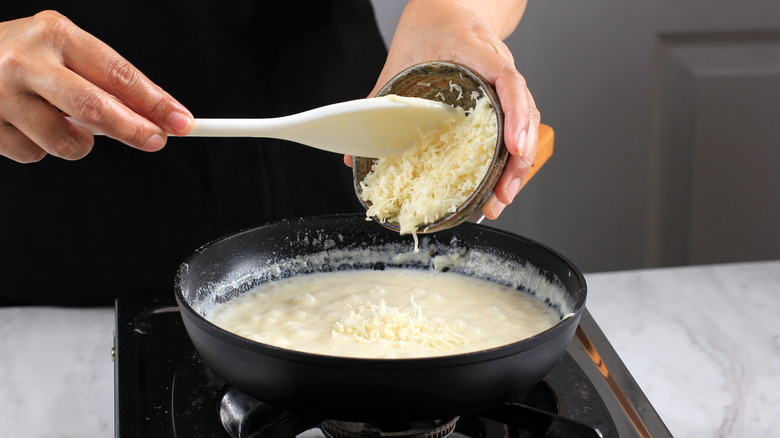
{"x":702,"y":342}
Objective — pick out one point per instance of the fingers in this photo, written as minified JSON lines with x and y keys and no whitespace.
{"x":98,"y":109}
{"x":49,"y":65}
{"x":16,"y":146}
{"x":42,"y":126}
{"x":514,"y":177}
{"x":109,"y":71}
{"x":521,"y":136}
{"x":520,"y":110}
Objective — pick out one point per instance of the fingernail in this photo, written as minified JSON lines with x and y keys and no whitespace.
{"x":179,"y":122}
{"x":154,"y":143}
{"x":496,"y":207}
{"x":513,"y":189}
{"x":521,"y":142}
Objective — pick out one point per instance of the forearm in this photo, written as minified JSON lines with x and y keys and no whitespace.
{"x":501,"y":16}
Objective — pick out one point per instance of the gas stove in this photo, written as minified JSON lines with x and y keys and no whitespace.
{"x":163,"y":389}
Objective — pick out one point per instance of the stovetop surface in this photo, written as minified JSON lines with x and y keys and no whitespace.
{"x":162,"y":389}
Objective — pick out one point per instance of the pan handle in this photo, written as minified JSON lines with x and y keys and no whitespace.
{"x":544,"y":150}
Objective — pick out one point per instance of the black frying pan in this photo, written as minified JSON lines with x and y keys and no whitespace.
{"x":374,"y":390}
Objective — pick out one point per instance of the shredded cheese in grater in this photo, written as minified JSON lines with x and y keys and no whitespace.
{"x":435,"y":176}
{"x":402,"y":327}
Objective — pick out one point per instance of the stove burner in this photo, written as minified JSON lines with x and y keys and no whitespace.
{"x":243,"y":416}
{"x":419,"y":429}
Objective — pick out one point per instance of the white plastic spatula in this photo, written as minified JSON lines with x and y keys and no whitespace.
{"x":375,"y":127}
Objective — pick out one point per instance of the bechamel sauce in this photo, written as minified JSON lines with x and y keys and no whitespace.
{"x":408,"y":313}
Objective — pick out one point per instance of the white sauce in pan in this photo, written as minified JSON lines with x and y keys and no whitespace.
{"x":398,"y":313}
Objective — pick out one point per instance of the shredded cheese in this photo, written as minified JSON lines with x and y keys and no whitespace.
{"x":458,"y":88}
{"x":435,"y":176}
{"x":401,"y":327}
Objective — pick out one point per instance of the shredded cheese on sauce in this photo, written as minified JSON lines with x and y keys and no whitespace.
{"x":399,"y":326}
{"x":436,"y":175}
{"x":395,"y":313}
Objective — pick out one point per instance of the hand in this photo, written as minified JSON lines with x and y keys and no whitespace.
{"x":49,"y":67}
{"x":471,"y":34}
